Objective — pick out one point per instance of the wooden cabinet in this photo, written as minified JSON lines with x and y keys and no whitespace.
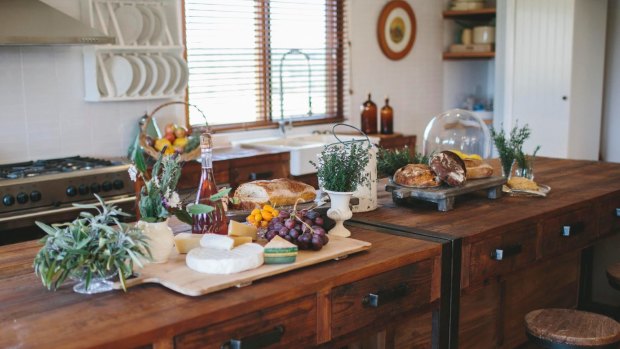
{"x":569,"y":230}
{"x":609,"y":215}
{"x":288,"y":325}
{"x":468,"y":19}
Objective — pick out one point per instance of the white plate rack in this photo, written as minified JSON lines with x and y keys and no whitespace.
{"x":147,"y":60}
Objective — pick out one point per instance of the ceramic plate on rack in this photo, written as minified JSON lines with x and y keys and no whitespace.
{"x":175,"y":74}
{"x":159,"y":27}
{"x":184,"y":78}
{"x":130,"y":22}
{"x":139,"y":75}
{"x":148,"y":25}
{"x":120,"y":72}
{"x":163,"y":74}
{"x":151,"y":75}
{"x":103,"y":90}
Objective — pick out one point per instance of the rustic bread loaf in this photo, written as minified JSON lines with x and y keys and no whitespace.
{"x":449,"y":167}
{"x":416,"y":175}
{"x":279,"y":192}
{"x":477,"y":169}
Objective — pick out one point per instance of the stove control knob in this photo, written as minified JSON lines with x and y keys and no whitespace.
{"x":35,"y":196}
{"x":83,"y":189}
{"x":106,"y":186}
{"x":118,"y":184}
{"x":95,"y":187}
{"x":71,"y":191}
{"x":22,"y":198}
{"x":8,"y":200}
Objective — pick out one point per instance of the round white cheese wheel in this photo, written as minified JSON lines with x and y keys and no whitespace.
{"x":217,"y":261}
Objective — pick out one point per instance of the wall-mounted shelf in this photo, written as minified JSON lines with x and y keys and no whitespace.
{"x":468,"y":55}
{"x":483,"y":13}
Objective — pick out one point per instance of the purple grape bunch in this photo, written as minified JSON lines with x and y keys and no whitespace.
{"x":303,"y":228}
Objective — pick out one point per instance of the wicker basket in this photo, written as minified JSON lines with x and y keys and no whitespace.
{"x":152,"y":152}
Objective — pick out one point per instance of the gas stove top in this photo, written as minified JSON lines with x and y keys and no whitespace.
{"x":52,"y":166}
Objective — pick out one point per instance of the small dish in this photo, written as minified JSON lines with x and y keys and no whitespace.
{"x":148,"y":25}
{"x":163,"y":74}
{"x":120,"y":72}
{"x":542,"y":191}
{"x":103,"y":90}
{"x":175,"y":74}
{"x":184,"y":78}
{"x":139,"y":75}
{"x":130,"y":22}
{"x":150,"y":73}
{"x":159,"y":26}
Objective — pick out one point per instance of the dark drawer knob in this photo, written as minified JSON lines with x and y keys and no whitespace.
{"x":617,"y":211}
{"x":502,"y":253}
{"x":260,"y":175}
{"x":379,"y":298}
{"x":572,"y":229}
{"x":256,"y":341}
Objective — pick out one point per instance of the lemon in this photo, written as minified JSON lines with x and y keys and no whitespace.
{"x":161,"y":143}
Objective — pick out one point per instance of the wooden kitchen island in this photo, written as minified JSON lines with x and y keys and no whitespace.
{"x":540,"y":266}
{"x":322,"y":305}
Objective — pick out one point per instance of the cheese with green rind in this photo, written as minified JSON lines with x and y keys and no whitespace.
{"x":280,"y":251}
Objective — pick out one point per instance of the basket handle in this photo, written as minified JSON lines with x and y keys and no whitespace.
{"x":351,"y":141}
{"x":161,"y":106}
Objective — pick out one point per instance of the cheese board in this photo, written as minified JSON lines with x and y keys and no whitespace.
{"x":444,"y":196}
{"x":176,"y":276}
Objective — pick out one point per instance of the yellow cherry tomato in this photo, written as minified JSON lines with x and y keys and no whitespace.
{"x":268,"y":208}
{"x":250,"y":219}
{"x":267,"y":216}
{"x":255,"y":211}
{"x":258,"y":217}
{"x":264,"y":224}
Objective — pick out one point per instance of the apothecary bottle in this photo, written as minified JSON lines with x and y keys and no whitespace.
{"x":215,"y":221}
{"x":369,"y":117}
{"x":387,"y":118}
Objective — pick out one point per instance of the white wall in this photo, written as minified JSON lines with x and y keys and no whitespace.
{"x":610,"y":142}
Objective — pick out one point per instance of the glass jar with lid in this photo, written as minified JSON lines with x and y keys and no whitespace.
{"x":460,"y":130}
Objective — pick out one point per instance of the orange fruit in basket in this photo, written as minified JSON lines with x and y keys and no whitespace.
{"x":161,"y":143}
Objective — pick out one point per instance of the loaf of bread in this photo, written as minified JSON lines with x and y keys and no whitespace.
{"x":416,"y":175}
{"x":477,"y":169}
{"x":449,"y":167}
{"x":279,"y":192}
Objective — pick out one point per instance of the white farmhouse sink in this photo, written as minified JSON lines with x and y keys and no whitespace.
{"x":303,"y":149}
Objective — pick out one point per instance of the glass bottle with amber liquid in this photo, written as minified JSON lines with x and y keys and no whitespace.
{"x":215,"y":221}
{"x":387,"y":118}
{"x":369,"y":117}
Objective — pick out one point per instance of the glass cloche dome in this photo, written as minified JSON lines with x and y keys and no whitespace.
{"x":457,"y":129}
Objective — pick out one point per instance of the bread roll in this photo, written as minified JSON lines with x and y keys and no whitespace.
{"x":477,"y":169}
{"x":416,"y":175}
{"x":279,"y":192}
{"x":449,"y":167}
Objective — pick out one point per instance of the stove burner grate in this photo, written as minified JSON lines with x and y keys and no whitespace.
{"x":43,"y":167}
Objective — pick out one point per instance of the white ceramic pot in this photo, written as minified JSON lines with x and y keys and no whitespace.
{"x":160,"y":239}
{"x":367,"y":192}
{"x":339,"y":212}
{"x":484,"y":35}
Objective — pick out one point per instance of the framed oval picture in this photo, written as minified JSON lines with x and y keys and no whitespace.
{"x":396,"y":29}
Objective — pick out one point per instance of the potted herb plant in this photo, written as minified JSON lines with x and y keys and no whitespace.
{"x":340,"y":169}
{"x":91,"y":249}
{"x":511,"y":148}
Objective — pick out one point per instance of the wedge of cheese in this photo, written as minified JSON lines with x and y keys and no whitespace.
{"x":280,"y":251}
{"x":184,"y":242}
{"x":217,"y":241}
{"x":215,"y":261}
{"x":239,"y":229}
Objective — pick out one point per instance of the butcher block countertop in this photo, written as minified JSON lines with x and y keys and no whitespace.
{"x":313,"y":303}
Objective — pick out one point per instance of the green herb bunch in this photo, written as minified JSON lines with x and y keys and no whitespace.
{"x":341,"y":165}
{"x":390,"y":160}
{"x":93,"y":245}
{"x":158,"y":197}
{"x":511,"y":148}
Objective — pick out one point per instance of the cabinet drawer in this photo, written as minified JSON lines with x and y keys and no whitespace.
{"x":609,"y":216}
{"x":382,"y":297}
{"x":263,"y":167}
{"x":289,"y":325}
{"x":568,"y":231}
{"x":503,"y":253}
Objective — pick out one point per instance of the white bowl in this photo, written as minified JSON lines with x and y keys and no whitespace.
{"x":484,"y":35}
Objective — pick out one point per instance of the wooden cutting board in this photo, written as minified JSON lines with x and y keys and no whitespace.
{"x":176,"y":276}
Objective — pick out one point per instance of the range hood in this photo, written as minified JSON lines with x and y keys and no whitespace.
{"x":32,"y":22}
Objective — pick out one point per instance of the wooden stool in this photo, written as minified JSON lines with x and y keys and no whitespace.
{"x":613,"y":275}
{"x":571,"y":329}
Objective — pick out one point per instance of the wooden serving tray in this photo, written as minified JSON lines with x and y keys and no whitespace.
{"x":176,"y":276}
{"x":444,"y":196}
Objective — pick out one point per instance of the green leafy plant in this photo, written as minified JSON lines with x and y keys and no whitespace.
{"x":511,"y":148}
{"x":341,"y":165}
{"x":93,"y":245}
{"x":158,"y":197}
{"x":390,"y":160}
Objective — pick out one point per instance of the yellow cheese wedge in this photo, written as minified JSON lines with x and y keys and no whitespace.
{"x":239,"y":229}
{"x":240,"y":240}
{"x":186,"y":241}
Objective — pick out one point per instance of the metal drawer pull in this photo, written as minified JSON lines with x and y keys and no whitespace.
{"x":573,"y":229}
{"x":374,"y":300}
{"x":260,"y":175}
{"x":504,"y":252}
{"x":256,"y":341}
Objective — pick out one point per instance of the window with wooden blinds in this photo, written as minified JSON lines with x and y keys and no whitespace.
{"x":255,"y":62}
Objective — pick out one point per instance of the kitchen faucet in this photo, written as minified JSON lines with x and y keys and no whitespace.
{"x":282,"y":122}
